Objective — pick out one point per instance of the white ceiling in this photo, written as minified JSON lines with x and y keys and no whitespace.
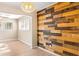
{"x":38,"y":5}
{"x":15,"y":7}
{"x":10,"y":16}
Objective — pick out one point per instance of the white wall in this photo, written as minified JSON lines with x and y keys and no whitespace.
{"x":25,"y":36}
{"x":8,"y":35}
{"x":29,"y":37}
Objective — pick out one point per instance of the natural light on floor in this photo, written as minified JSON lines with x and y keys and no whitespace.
{"x":4,"y":48}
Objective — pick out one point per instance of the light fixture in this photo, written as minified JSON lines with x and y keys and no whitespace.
{"x":27,"y":7}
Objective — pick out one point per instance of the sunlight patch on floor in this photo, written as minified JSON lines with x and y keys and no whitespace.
{"x":4,"y":49}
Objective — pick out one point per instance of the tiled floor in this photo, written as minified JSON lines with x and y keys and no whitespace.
{"x":17,"y":48}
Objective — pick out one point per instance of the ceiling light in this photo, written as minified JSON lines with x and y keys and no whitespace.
{"x":28,"y":7}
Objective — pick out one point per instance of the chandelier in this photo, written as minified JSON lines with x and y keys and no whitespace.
{"x":27,"y":7}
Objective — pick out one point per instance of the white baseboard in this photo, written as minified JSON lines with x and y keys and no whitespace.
{"x":49,"y":51}
{"x":35,"y":47}
{"x":4,"y":40}
{"x":26,"y":43}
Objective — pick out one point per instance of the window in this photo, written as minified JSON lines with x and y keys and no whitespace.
{"x":24,"y":23}
{"x":8,"y":26}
